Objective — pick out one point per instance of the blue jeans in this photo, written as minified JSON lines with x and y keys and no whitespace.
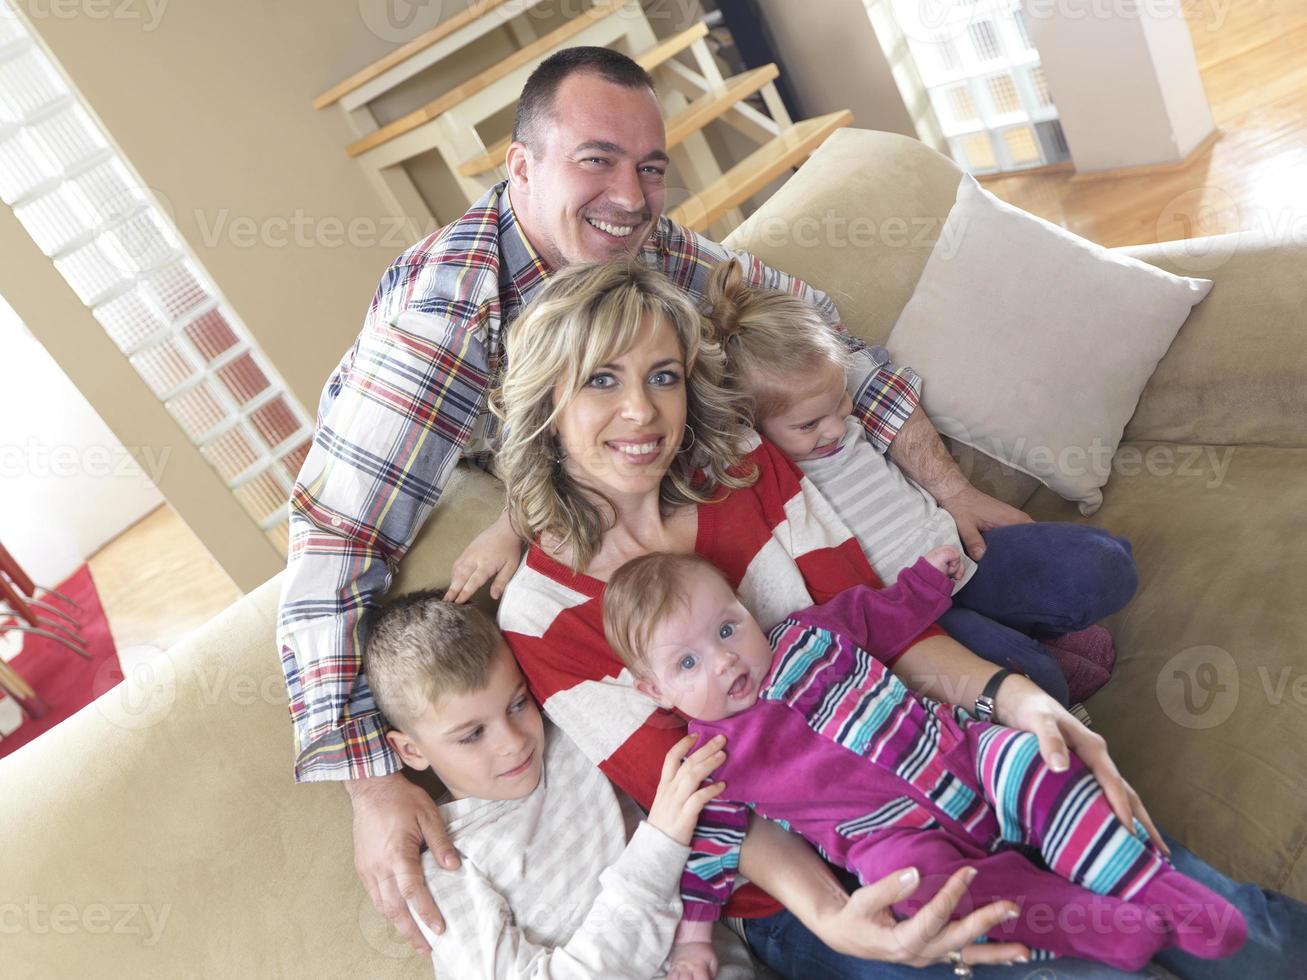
{"x":1034,"y":582}
{"x":1277,"y":937}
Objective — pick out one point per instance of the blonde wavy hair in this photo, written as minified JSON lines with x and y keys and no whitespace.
{"x":774,"y":341}
{"x":584,"y":317}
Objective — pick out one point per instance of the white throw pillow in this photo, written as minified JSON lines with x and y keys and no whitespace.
{"x":1034,"y":343}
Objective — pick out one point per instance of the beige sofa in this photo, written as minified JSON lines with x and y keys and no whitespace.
{"x":158,"y":833}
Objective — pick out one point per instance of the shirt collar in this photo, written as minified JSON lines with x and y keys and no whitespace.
{"x":522,"y":270}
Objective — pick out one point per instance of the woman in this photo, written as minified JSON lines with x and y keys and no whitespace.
{"x":620,"y":440}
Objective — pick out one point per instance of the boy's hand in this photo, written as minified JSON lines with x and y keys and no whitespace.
{"x":948,"y":560}
{"x":681,"y":793}
{"x":692,"y":961}
{"x":494,"y":553}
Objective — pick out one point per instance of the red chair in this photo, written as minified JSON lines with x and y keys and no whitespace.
{"x":27,"y":614}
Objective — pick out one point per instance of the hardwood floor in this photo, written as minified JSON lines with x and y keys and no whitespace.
{"x":157,"y":583}
{"x":1253,"y":178}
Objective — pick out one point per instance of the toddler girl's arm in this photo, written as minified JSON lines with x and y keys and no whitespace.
{"x":494,"y":553}
{"x":884,"y":622}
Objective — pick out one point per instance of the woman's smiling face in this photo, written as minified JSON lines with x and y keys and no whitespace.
{"x":620,"y":432}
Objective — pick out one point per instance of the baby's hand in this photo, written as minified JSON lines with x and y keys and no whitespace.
{"x":681,"y":794}
{"x":948,"y":560}
{"x":494,"y":553}
{"x":692,"y":961}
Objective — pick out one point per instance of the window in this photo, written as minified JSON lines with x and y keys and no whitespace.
{"x":976,"y":63}
{"x":84,"y":208}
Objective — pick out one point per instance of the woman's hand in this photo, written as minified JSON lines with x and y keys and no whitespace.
{"x":865,"y":925}
{"x":681,"y":794}
{"x":1023,"y":704}
{"x":392,"y":818}
{"x":862,"y":924}
{"x":494,"y":553}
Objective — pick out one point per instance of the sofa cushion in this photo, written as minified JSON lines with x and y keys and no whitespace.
{"x":1036,"y":343}
{"x":1206,"y":713}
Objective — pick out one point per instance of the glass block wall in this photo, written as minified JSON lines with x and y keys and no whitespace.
{"x":118,"y":251}
{"x":982,"y":75}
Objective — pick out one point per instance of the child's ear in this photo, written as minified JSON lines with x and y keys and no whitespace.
{"x":653,"y":692}
{"x":407,"y":749}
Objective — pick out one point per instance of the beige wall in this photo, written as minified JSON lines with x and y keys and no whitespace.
{"x":86,"y":354}
{"x":834,"y":61}
{"x":210,"y":103}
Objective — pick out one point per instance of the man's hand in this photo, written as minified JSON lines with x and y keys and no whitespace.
{"x":392,"y":818}
{"x":974,"y":512}
{"x":692,"y":961}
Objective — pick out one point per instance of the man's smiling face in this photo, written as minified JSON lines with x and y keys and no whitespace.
{"x":590,"y":186}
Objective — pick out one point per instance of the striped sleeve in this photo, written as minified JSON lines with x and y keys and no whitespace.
{"x":714,"y":862}
{"x":885,"y":622}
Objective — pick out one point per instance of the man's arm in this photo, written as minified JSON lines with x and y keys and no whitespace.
{"x":920,"y":453}
{"x":383,"y":450}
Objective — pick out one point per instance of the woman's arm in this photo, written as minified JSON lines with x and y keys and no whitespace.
{"x":862,"y":924}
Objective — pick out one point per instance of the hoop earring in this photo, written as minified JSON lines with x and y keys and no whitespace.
{"x":692,"y":439}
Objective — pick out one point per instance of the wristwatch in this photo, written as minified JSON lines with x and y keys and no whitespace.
{"x":985,"y":703}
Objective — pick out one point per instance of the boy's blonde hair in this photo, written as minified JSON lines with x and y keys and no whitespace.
{"x":421,"y":648}
{"x":640,"y":595}
{"x":584,"y":317}
{"x":772,"y":340}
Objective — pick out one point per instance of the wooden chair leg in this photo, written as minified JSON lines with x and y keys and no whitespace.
{"x":16,"y":602}
{"x":19,"y":577}
{"x":16,"y":686}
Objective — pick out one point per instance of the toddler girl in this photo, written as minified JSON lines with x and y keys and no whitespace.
{"x":794,"y":367}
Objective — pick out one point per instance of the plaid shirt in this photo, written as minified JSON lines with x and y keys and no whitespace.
{"x":407,"y":401}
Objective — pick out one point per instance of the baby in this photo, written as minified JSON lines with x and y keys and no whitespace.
{"x":823,"y":738}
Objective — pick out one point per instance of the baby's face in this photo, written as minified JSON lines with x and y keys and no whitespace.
{"x":708,"y":658}
{"x":812,"y":427}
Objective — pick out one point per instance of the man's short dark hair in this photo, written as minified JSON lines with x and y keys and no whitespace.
{"x":537,"y":99}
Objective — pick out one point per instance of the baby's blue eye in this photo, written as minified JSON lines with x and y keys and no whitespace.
{"x":727,"y":631}
{"x":470,"y":737}
{"x":687,"y":662}
{"x":517,"y":705}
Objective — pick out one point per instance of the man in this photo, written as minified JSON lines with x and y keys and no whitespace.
{"x":586,"y":180}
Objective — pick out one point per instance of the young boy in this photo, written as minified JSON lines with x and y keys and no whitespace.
{"x":549,"y":886}
{"x":820,"y":735}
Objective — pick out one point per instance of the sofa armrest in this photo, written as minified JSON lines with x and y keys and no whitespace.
{"x":1234,"y":373}
{"x":159,"y":829}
